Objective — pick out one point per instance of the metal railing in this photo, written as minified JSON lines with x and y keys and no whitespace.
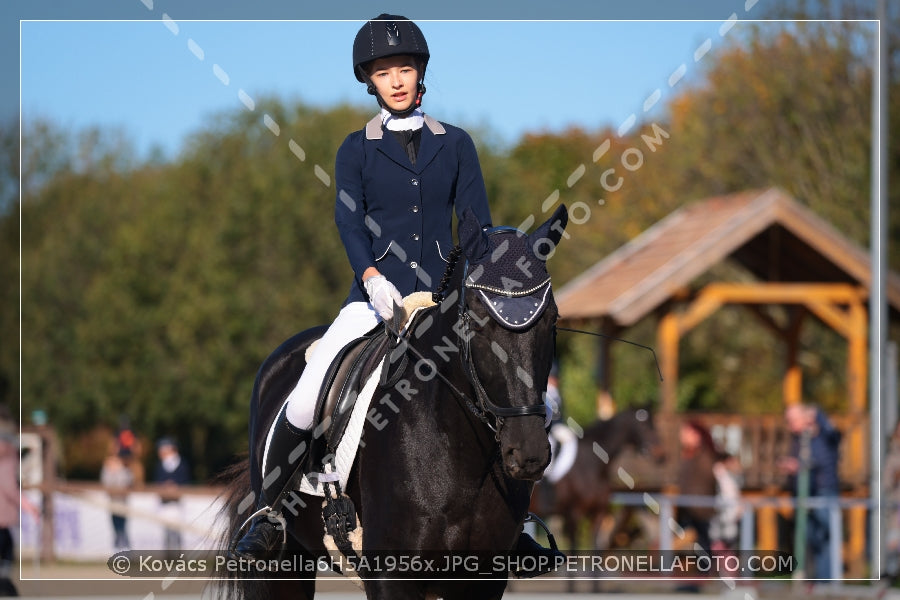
{"x":663,"y":505}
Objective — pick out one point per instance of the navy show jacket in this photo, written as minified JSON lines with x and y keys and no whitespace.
{"x":397,"y":216}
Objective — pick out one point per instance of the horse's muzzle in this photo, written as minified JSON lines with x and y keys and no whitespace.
{"x":525,"y":468}
{"x":525,"y":450}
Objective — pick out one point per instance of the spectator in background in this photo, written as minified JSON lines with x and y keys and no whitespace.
{"x":563,"y":441}
{"x":807,"y":424}
{"x":9,"y":499}
{"x":696,"y":478}
{"x":553,"y":399}
{"x":172,"y":472}
{"x":724,"y":528}
{"x":117,"y":478}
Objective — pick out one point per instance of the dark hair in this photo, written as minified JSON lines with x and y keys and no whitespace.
{"x":166,"y":441}
{"x":706,"y":439}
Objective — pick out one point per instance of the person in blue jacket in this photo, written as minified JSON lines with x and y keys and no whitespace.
{"x":398,"y":181}
{"x":808,"y":424}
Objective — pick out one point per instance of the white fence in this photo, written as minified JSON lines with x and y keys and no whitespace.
{"x":83,"y":531}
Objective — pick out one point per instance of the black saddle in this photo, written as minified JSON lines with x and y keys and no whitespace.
{"x":344,"y":380}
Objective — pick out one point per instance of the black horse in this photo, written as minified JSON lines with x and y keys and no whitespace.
{"x":447,"y":468}
{"x":584,"y":491}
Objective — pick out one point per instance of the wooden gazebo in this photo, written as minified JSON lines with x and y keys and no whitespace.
{"x":796,"y":259}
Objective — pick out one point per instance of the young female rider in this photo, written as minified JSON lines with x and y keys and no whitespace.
{"x":397,"y":181}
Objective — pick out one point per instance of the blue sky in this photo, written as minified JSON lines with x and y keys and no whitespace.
{"x":161,"y":78}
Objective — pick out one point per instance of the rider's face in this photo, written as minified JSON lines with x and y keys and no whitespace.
{"x":396,"y":80}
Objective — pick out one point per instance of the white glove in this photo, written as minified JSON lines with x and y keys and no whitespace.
{"x":383,"y":295}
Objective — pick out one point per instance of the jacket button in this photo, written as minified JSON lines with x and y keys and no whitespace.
{"x":415,"y":237}
{"x":414,"y":208}
{"x":414,"y":181}
{"x":413,"y":265}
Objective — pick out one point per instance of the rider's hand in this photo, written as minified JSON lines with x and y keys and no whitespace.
{"x":383,"y":295}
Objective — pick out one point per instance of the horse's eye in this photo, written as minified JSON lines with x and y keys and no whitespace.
{"x":476,"y":323}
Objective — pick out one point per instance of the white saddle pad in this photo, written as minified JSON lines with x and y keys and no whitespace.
{"x":349,"y":444}
{"x":346,"y":451}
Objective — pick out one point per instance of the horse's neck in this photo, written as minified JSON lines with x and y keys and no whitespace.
{"x":610,"y":435}
{"x":437,"y":367}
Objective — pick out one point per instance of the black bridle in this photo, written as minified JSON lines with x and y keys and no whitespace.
{"x":488,"y":412}
{"x":486,"y":409}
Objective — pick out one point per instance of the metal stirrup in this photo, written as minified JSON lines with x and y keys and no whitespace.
{"x":265,"y":510}
{"x":533,"y":518}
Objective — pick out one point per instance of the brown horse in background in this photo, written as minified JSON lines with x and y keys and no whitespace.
{"x":584,"y":491}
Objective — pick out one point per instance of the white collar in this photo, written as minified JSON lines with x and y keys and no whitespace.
{"x":414,"y":121}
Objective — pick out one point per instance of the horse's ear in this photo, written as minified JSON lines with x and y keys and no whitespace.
{"x":472,"y":238}
{"x":550,"y":233}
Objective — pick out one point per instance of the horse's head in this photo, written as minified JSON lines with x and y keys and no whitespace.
{"x":508,"y":320}
{"x":642,"y":433}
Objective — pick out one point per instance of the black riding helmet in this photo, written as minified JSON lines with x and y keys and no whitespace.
{"x":388,"y":35}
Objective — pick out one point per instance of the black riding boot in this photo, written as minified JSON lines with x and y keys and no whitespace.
{"x":284,"y":458}
{"x":533,"y":559}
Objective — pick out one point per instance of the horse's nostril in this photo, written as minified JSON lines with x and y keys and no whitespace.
{"x":525,"y":466}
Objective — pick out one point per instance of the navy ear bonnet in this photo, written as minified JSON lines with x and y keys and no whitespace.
{"x":507,"y":268}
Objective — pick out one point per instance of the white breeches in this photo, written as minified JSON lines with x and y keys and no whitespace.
{"x":354,"y":320}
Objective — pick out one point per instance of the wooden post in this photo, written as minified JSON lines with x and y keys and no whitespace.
{"x":604,"y":370}
{"x":856,"y":538}
{"x":857,"y":376}
{"x":792,"y":386}
{"x":767,"y":522}
{"x":668,"y":344}
{"x":856,"y":444}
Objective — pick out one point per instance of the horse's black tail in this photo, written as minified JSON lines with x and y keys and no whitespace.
{"x":237,"y":504}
